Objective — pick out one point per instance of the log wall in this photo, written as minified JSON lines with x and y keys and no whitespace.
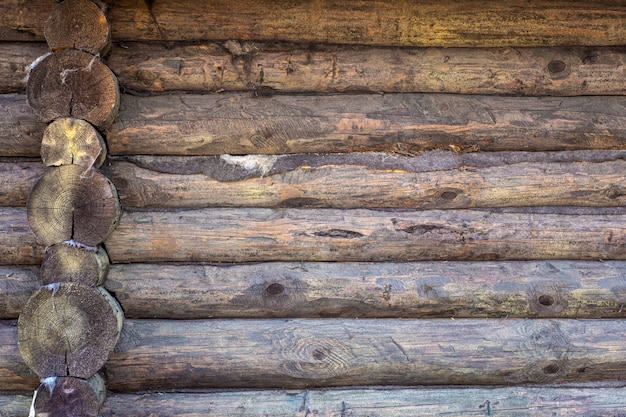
{"x":344,"y":209}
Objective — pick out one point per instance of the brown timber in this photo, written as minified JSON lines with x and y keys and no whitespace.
{"x":403,"y":123}
{"x":565,"y":289}
{"x":242,"y":235}
{"x":591,"y":400}
{"x":387,"y":22}
{"x":298,"y":353}
{"x":257,"y":234}
{"x":241,"y":123}
{"x":298,"y":68}
{"x":428,"y":181}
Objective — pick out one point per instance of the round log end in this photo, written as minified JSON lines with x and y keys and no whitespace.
{"x":68,"y":397}
{"x":78,"y":24}
{"x":69,"y":141}
{"x":65,"y":262}
{"x":68,"y":329}
{"x":72,"y":83}
{"x":71,"y":203}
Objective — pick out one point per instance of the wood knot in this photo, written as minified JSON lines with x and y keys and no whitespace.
{"x":274,"y":289}
{"x":556,"y":66}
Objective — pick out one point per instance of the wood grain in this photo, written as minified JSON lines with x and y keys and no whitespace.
{"x":297,"y":68}
{"x":20,"y":131}
{"x":298,"y":353}
{"x":360,"y":402}
{"x":242,"y":235}
{"x":565,"y":289}
{"x":432,"y":179}
{"x":402,"y":123}
{"x":18,"y":244}
{"x":385,"y":22}
{"x":372,"y":181}
{"x":196,"y":124}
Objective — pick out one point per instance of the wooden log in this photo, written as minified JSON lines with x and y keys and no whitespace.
{"x":17,"y":284}
{"x":427,"y":181}
{"x":484,"y":23}
{"x":72,"y":141}
{"x":78,"y":24}
{"x":64,"y":262}
{"x":73,"y":203}
{"x":17,"y":178}
{"x":407,"y":123}
{"x":241,"y":235}
{"x":175,"y":354}
{"x":18,"y":244}
{"x":596,"y":400}
{"x":290,"y":68}
{"x":15,"y":60}
{"x":68,"y":329}
{"x":72,"y":83}
{"x":68,"y":397}
{"x":433,"y":179}
{"x":296,"y":68}
{"x":20,"y":131}
{"x":317,"y":352}
{"x":565,"y":289}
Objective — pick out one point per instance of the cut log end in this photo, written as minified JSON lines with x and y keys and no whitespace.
{"x":71,"y":203}
{"x":65,"y":262}
{"x":69,"y":329}
{"x":72,"y":83}
{"x":72,"y":141}
{"x":68,"y":397}
{"x":78,"y":24}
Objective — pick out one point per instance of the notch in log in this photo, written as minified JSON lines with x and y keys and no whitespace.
{"x":71,"y":203}
{"x":64,"y":262}
{"x":69,"y":329}
{"x":72,"y":141}
{"x":68,"y":397}
{"x":72,"y":83}
{"x":78,"y":24}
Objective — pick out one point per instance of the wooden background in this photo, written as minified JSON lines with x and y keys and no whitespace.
{"x":347,"y":208}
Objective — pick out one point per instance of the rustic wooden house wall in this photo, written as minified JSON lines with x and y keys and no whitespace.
{"x":347,"y":208}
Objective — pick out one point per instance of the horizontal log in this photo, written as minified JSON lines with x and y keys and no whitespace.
{"x":430,"y":180}
{"x":425,"y":23}
{"x":254,"y":235}
{"x":298,"y":353}
{"x":359,"y":402}
{"x":295,"y":68}
{"x":20,"y":131}
{"x":574,"y":289}
{"x":240,"y":235}
{"x":366,"y":181}
{"x":402,"y":123}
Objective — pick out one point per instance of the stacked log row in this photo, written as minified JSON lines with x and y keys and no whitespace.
{"x":71,"y":324}
{"x":307,"y":217}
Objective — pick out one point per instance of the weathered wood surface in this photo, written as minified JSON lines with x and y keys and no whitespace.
{"x":597,"y":401}
{"x":232,"y":66}
{"x":404,"y":123}
{"x":301,"y":68}
{"x":256,"y":234}
{"x":18,"y":244}
{"x":370,"y":181}
{"x":17,"y":178}
{"x":17,"y":284}
{"x":574,"y":289}
{"x":298,"y":353}
{"x":240,"y":235}
{"x":218,"y":124}
{"x":434,"y":179}
{"x":478,"y":23}
{"x":20,"y":131}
